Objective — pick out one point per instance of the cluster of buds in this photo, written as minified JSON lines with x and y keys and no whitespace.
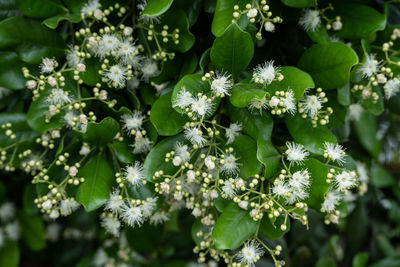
{"x":8,"y":131}
{"x":311,"y":106}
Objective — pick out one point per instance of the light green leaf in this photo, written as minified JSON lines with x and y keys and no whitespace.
{"x":360,"y":259}
{"x":53,"y":22}
{"x":300,"y":3}
{"x":243,"y":93}
{"x":380,"y":177}
{"x":329,"y":64}
{"x":232,"y":51}
{"x":269,"y":156}
{"x":155,"y":8}
{"x":246,"y":149}
{"x":100,"y":133}
{"x":95,"y":190}
{"x":320,"y":35}
{"x":224,"y":14}
{"x":271,"y":228}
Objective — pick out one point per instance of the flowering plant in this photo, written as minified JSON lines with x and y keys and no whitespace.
{"x":134,"y":129}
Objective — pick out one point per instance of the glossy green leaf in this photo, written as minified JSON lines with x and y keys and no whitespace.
{"x":11,"y":76}
{"x":293,"y":78}
{"x":243,"y":93}
{"x":329,"y":64}
{"x":360,"y":259}
{"x":270,"y":228}
{"x":53,"y":22}
{"x":40,"y":9}
{"x":91,"y":76}
{"x":9,"y":255}
{"x":300,"y":3}
{"x":165,"y":119}
{"x":32,"y":231}
{"x":311,"y":137}
{"x":359,"y":21}
{"x":123,"y":152}
{"x":269,"y":156}
{"x":95,"y":190}
{"x":232,"y":51}
{"x":326,"y":262}
{"x":30,"y":39}
{"x":366,"y":129}
{"x":343,"y":95}
{"x":144,"y":238}
{"x":246,"y":152}
{"x":233,"y":227}
{"x":380,"y":177}
{"x":100,"y":133}
{"x":223,"y":16}
{"x":155,"y":8}
{"x":320,"y":35}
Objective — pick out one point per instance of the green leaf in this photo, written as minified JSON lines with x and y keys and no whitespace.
{"x":40,"y":9}
{"x":155,"y":8}
{"x":100,"y":133}
{"x":165,"y":119}
{"x":293,"y":78}
{"x":123,"y":152}
{"x":243,"y":93}
{"x":377,"y":107}
{"x":232,"y":51}
{"x":343,"y":95}
{"x":9,"y":255}
{"x":320,"y":35}
{"x":224,"y":14}
{"x":300,"y":3}
{"x":272,"y":230}
{"x":155,"y":160}
{"x":95,"y":190}
{"x":360,"y":259}
{"x":53,"y":22}
{"x":311,"y":137}
{"x":30,"y":39}
{"x":366,"y":128}
{"x":359,"y":21}
{"x":32,"y":231}
{"x":326,"y":262}
{"x":205,"y":60}
{"x":329,"y":64}
{"x":380,"y":177}
{"x":233,"y":227}
{"x":193,"y":84}
{"x":269,"y":156}
{"x":145,"y":238}
{"x":246,"y":152}
{"x":387,"y":262}
{"x":91,"y":76}
{"x":8,"y":9}
{"x":11,"y":76}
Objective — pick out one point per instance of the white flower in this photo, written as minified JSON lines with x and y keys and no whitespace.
{"x":300,"y":180}
{"x":228,"y":188}
{"x":70,"y":118}
{"x":142,"y":144}
{"x":370,"y":66}
{"x":354,"y":112}
{"x":312,"y":104}
{"x":209,"y":162}
{"x":100,"y":258}
{"x":159,"y":218}
{"x":31,"y":84}
{"x":73,"y":171}
{"x":345,"y":180}
{"x":196,"y":212}
{"x":221,"y":84}
{"x":90,"y":7}
{"x":289,"y":102}
{"x":132,"y":215}
{"x":52,"y":81}
{"x":252,"y":13}
{"x":265,"y":73}
{"x":149,"y":69}
{"x":250,"y":253}
{"x":296,"y":152}
{"x":127,"y":51}
{"x":296,"y":195}
{"x":183,"y":99}
{"x":194,"y":135}
{"x":72,"y":57}
{"x":85,"y":149}
{"x":133,"y":122}
{"x":115,"y":202}
{"x":134,"y":174}
{"x":280,"y":188}
{"x":67,"y":206}
{"x":111,"y":225}
{"x":47,"y":65}
{"x":116,"y":75}
{"x":233,"y":131}
{"x":257,"y":103}
{"x":54,"y":214}
{"x":149,"y":206}
{"x":58,"y":97}
{"x":331,"y":200}
{"x":7,"y":211}
{"x":243,"y":204}
{"x":337,"y":25}
{"x":191,"y":176}
{"x":182,"y":151}
{"x":230,"y":166}
{"x":159,"y":87}
{"x":362,"y":171}
{"x":47,"y":205}
{"x":269,"y":26}
{"x":128,"y":31}
{"x":391,"y":88}
{"x":12,"y":230}
{"x":107,"y":44}
{"x":310,"y":20}
{"x":274,"y":102}
{"x":201,"y":105}
{"x":334,"y":152}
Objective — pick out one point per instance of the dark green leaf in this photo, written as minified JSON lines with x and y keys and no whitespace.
{"x":100,"y":133}
{"x":246,"y":151}
{"x":272,"y":230}
{"x":269,"y":156}
{"x":155,"y":8}
{"x":11,"y":76}
{"x":123,"y":152}
{"x":53,"y":22}
{"x":32,"y":231}
{"x":40,"y":9}
{"x":380,"y":177}
{"x":366,"y":128}
{"x":9,"y":255}
{"x":360,"y":259}
{"x":224,"y":14}
{"x":300,"y":3}
{"x":243,"y":93}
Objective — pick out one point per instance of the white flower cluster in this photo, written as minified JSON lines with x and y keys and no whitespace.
{"x":133,"y":125}
{"x":312,"y":106}
{"x":9,"y":226}
{"x":311,"y":20}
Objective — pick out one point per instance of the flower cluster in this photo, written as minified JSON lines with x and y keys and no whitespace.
{"x":312,"y":19}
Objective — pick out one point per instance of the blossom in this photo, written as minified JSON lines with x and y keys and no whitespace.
{"x":115,"y":202}
{"x":126,"y":51}
{"x":90,"y":7}
{"x":149,"y":69}
{"x":370,"y":66}
{"x":12,"y":231}
{"x":391,"y":88}
{"x":265,"y":73}
{"x":58,"y":97}
{"x":107,"y":44}
{"x":280,"y":188}
{"x":269,"y":26}
{"x":362,"y":172}
{"x":289,"y":102}
{"x":296,"y":152}
{"x":134,"y":174}
{"x":182,"y":151}
{"x":312,"y":104}
{"x":149,"y":206}
{"x":310,"y":20}
{"x":133,"y":122}
{"x":228,"y":188}
{"x":7,"y":211}
{"x":221,"y":84}
{"x":208,"y":161}
{"x":132,"y":215}
{"x":194,"y":135}
{"x":142,"y":144}
{"x":252,"y":13}
{"x":233,"y":131}
{"x":250,"y":253}
{"x":345,"y":180}
{"x":116,"y":75}
{"x":67,"y":206}
{"x":47,"y":65}
{"x":300,"y":180}
{"x":334,"y":152}
{"x":159,"y":218}
{"x":72,"y":57}
{"x":112,"y":225}
{"x":229,"y":165}
{"x":331,"y":200}
{"x":201,"y":105}
{"x":354,"y":112}
{"x":183,"y":99}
